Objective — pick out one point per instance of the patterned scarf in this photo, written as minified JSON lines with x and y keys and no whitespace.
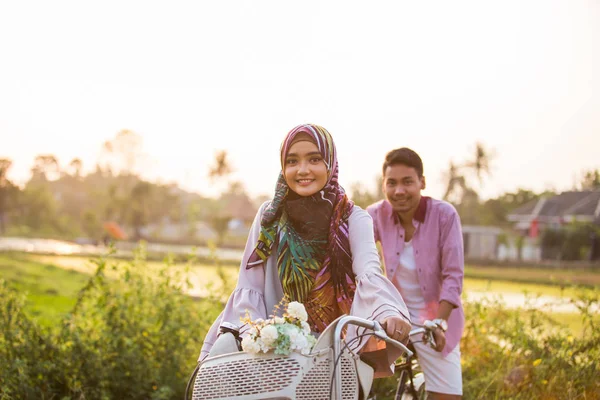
{"x":314,"y":260}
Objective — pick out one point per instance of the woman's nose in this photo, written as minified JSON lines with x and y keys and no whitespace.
{"x":303,"y":168}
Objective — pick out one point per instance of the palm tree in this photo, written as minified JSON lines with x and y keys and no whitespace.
{"x":221,"y":167}
{"x":456,"y":177}
{"x":480,"y":164}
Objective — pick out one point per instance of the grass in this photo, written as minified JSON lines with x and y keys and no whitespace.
{"x":52,"y":282}
{"x":51,"y":290}
{"x":505,"y":279}
{"x":490,"y":285}
{"x":543,"y":276}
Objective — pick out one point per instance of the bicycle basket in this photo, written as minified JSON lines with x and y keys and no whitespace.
{"x":244,"y":376}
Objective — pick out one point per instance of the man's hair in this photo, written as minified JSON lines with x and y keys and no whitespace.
{"x":404,"y":156}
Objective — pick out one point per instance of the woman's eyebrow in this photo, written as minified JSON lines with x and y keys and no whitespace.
{"x":312,"y":153}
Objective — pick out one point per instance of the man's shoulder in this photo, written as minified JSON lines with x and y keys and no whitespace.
{"x":376,"y":207}
{"x":441,"y":208}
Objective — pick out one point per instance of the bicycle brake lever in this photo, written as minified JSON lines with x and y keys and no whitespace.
{"x":380,"y":333}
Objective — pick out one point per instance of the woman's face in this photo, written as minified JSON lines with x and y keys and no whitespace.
{"x":304,"y":169}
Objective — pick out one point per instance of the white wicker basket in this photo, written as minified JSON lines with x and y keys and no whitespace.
{"x":246,"y":376}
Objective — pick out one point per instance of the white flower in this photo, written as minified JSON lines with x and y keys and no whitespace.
{"x":299,"y":342}
{"x":291,"y":331}
{"x":265,"y":347}
{"x":297,"y":310}
{"x":305,"y":327}
{"x":279,"y":320}
{"x":250,"y":346}
{"x":268,"y":334}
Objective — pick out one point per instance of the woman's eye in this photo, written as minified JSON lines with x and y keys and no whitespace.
{"x":316,"y":160}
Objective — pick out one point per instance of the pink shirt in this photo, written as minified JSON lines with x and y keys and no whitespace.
{"x":439,"y":255}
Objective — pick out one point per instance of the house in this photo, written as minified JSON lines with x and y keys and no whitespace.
{"x":481,"y":242}
{"x":555,"y":211}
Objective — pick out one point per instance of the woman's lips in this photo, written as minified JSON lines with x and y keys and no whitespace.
{"x":305,"y":182}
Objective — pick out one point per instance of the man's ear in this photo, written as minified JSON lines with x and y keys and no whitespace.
{"x":423,"y":183}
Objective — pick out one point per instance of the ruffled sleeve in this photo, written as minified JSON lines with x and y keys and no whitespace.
{"x":247,"y":296}
{"x":376,"y":298}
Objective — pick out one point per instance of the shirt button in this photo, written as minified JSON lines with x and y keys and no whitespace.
{"x":397,"y":253}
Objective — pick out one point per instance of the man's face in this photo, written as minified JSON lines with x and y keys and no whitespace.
{"x":402,"y":187}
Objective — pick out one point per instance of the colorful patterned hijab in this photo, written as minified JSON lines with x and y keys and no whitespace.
{"x":314,"y":260}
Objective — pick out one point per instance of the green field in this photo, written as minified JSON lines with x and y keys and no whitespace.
{"x":51,"y":291}
{"x":52,"y":282}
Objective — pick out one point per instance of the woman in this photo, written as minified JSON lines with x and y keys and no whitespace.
{"x":314,"y":245}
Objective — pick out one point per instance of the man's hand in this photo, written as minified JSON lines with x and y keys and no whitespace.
{"x":397,"y":328}
{"x":440,"y":339}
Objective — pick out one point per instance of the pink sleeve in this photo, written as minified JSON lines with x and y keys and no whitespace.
{"x":452,"y":262}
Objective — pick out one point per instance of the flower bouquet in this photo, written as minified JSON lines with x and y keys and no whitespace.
{"x":280,"y":335}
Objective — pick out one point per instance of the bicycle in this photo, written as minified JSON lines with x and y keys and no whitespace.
{"x":330,"y":369}
{"x":411,"y":381}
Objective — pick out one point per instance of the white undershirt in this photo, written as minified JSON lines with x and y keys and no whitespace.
{"x":408,"y":282}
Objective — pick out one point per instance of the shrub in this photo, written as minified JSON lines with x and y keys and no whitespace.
{"x":136,"y":337}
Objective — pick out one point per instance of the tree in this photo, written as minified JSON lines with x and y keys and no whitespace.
{"x":219,"y":171}
{"x":123,"y":153}
{"x":457,"y":176}
{"x":363,"y":197}
{"x":75,"y":167}
{"x":8,"y":192}
{"x":221,"y":167}
{"x":140,"y":206}
{"x":45,"y":167}
{"x":494,"y":211}
{"x":590,"y":180}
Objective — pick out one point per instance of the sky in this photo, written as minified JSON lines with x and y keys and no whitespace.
{"x":192,"y":78}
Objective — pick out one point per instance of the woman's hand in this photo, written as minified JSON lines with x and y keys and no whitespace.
{"x":397,"y":328}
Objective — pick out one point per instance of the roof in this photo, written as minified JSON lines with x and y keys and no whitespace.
{"x":526,"y":208}
{"x":583,"y":205}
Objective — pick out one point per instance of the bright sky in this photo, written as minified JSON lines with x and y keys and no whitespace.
{"x":193,"y":77}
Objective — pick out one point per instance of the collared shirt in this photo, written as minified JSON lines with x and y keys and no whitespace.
{"x":439,"y":254}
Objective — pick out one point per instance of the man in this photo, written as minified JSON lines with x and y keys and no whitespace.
{"x":423,"y":255}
